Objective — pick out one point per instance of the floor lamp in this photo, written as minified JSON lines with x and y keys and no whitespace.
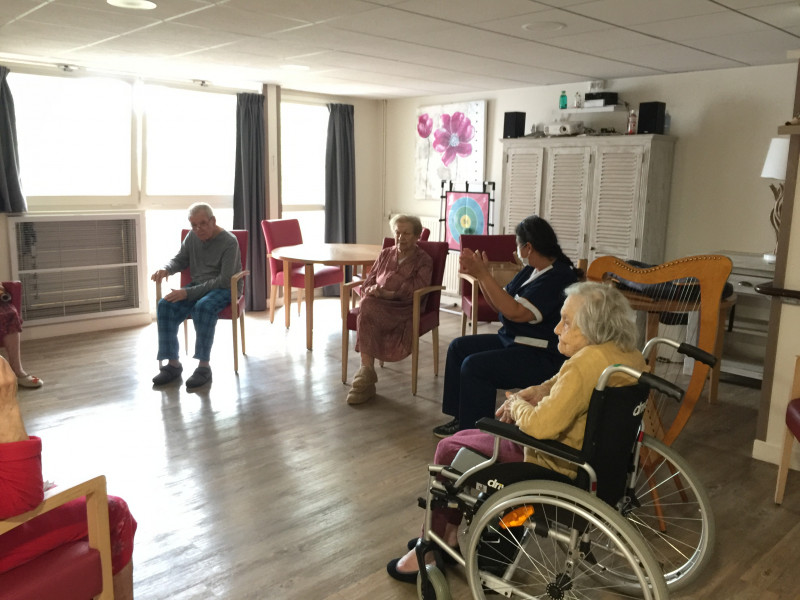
{"x":775,"y":168}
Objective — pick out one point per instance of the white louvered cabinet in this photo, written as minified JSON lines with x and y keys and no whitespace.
{"x":602,"y":195}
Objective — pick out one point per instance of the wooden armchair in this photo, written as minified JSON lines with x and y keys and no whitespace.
{"x":234,"y":312}
{"x":500,"y":250}
{"x":423,"y":319}
{"x":74,"y":571}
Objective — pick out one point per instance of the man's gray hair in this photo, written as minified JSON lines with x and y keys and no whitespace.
{"x":416,"y":224}
{"x":201,"y":206}
{"x":605,"y":315}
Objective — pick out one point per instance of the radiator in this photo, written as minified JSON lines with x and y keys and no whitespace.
{"x":78,"y":267}
{"x":450,"y":281}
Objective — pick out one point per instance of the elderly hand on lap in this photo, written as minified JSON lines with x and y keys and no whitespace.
{"x":532,"y":395}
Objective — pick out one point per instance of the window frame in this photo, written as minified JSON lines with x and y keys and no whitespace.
{"x":137,"y":199}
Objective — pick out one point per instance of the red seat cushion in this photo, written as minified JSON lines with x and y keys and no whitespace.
{"x":793,"y":417}
{"x":70,"y":572}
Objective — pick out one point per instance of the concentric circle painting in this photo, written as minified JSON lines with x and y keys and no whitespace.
{"x":467,"y":213}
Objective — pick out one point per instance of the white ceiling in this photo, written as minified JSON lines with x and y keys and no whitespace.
{"x":400,"y":48}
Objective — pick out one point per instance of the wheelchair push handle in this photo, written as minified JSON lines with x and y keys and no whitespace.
{"x":698,"y":354}
{"x":652,"y":381}
{"x":662,"y":385}
{"x":683,"y":348}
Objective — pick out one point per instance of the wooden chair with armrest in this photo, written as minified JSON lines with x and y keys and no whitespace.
{"x":74,"y":571}
{"x":234,"y":312}
{"x":791,"y":433}
{"x":286,"y":232}
{"x":424,"y":319}
{"x":501,"y":252}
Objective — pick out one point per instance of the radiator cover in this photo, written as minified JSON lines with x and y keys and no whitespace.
{"x":77,"y":267}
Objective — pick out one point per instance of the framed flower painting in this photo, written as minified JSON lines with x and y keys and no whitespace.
{"x":451,"y":145}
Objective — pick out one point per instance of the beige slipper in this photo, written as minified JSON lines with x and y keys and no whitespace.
{"x":363,"y":388}
{"x":29,"y":381}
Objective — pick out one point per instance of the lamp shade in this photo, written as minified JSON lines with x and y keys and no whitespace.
{"x":777,"y":156}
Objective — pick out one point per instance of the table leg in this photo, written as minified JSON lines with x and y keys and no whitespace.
{"x":309,"y":305}
{"x":287,"y":291}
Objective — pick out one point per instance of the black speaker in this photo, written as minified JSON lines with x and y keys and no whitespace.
{"x":651,"y":117}
{"x":514,"y":125}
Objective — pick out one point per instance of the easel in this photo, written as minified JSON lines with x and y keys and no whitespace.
{"x":447,"y":187}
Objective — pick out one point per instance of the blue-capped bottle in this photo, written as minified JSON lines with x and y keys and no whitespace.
{"x":562,"y":101}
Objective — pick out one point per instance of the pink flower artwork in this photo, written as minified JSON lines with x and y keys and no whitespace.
{"x":424,"y":125}
{"x":450,"y":146}
{"x":452,"y":139}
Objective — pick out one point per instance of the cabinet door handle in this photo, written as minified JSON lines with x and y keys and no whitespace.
{"x":745,"y":284}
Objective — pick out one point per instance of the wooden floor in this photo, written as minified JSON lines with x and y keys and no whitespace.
{"x":268,"y":486}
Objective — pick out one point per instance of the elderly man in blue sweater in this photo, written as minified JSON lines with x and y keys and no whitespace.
{"x":212,"y":256}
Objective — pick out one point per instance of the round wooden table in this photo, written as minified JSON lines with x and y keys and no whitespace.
{"x":323,"y":254}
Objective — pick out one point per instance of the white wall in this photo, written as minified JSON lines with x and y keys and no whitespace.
{"x":723,"y":121}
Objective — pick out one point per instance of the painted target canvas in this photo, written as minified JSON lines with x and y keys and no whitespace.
{"x":466,"y":213}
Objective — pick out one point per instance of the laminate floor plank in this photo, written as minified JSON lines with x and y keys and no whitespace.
{"x":268,"y":486}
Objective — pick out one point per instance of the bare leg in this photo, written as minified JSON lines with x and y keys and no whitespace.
{"x":409,"y":563}
{"x":123,"y":583}
{"x":367,"y":360}
{"x":12,"y":429}
{"x":11,"y":343}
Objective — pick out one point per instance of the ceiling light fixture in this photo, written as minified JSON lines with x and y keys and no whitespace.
{"x":133,"y":4}
{"x":295,"y":67}
{"x":544,"y":26}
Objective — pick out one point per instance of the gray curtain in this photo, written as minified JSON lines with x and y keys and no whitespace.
{"x":340,"y":180}
{"x":11,"y":198}
{"x":249,"y":200}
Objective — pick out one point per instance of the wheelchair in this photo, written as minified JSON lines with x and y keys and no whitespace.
{"x":532,"y":533}
{"x":665,"y":500}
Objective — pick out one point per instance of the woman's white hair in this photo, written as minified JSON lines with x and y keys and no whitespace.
{"x":416,"y":224}
{"x":604,"y":315}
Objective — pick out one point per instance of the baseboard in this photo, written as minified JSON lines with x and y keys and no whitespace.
{"x":772,"y":454}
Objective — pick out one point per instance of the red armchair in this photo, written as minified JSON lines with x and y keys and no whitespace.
{"x":234,"y":312}
{"x":286,"y":232}
{"x":500,"y":249}
{"x":14,"y":289}
{"x":423,"y":319}
{"x":72,"y":571}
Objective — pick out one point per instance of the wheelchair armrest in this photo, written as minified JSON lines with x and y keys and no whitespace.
{"x":513,"y":433}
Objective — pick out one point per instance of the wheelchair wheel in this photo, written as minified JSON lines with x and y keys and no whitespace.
{"x":437,"y":587}
{"x":550,"y":540}
{"x":672,"y":511}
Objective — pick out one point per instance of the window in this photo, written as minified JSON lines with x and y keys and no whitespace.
{"x":304,"y":137}
{"x":78,"y":142}
{"x":190,"y":143}
{"x":74,"y":135}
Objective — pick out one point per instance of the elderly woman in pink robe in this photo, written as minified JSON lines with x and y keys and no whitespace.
{"x":384,"y":321}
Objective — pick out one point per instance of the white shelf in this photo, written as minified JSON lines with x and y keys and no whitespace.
{"x":595,"y":109}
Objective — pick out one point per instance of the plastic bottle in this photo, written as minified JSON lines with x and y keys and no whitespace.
{"x":578,"y":102}
{"x":562,"y":101}
{"x":631,"y":123}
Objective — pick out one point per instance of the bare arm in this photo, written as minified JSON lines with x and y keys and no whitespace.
{"x":474,"y":264}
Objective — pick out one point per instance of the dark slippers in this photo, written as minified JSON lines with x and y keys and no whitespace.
{"x":200,"y":377}
{"x":167,"y":374}
{"x":391,"y":568}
